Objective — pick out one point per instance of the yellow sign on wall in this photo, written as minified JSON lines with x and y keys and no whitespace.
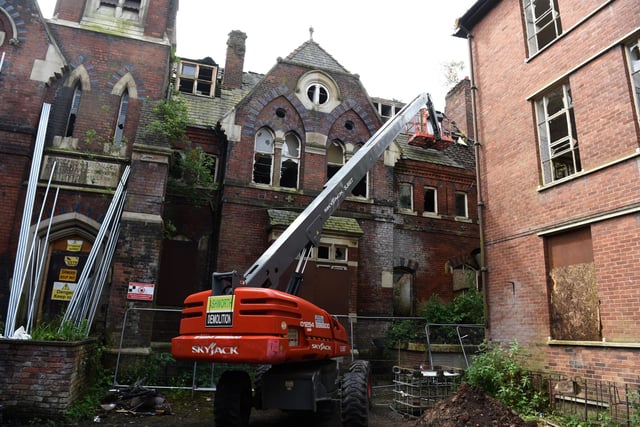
{"x":74,"y":245}
{"x":62,"y":291}
{"x":68,"y":275}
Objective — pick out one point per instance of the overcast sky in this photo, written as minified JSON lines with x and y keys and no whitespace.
{"x":398,"y":47}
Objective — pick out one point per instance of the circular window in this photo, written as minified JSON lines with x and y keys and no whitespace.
{"x":348,"y":125}
{"x":317,"y":94}
{"x":280,"y":112}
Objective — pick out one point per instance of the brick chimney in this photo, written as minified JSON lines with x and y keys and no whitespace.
{"x":458,"y":106}
{"x":232,"y":78}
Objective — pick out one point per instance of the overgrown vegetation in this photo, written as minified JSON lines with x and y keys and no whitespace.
{"x":466,"y":308}
{"x":191,"y":173}
{"x":59,"y":330}
{"x":172,"y":120}
{"x":85,"y":407}
{"x":499,"y":372}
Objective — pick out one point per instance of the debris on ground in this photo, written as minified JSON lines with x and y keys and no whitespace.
{"x":137,"y":400}
{"x":470,"y":406}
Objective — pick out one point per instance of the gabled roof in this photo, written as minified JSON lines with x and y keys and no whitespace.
{"x":310,"y":54}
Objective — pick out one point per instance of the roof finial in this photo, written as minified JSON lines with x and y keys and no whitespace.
{"x":311,"y":34}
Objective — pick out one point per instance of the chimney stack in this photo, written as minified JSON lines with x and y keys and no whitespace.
{"x":234,"y":64}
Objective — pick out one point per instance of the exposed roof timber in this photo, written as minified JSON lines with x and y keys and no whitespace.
{"x":466,"y":22}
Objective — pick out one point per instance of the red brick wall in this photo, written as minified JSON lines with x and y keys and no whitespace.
{"x":20,"y":110}
{"x":69,"y":10}
{"x":43,"y":379}
{"x":518,"y":212}
{"x":458,"y":107}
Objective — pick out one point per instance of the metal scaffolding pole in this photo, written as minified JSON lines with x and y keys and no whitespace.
{"x":76,"y":308}
{"x":19,"y":266}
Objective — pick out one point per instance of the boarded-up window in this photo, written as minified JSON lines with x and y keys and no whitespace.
{"x":573,"y":297}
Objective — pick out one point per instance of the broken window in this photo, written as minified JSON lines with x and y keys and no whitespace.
{"x":331,"y":252}
{"x":360,"y":190}
{"x":461,"y":205}
{"x":317,"y":94}
{"x":122,"y":116}
{"x":573,"y":297}
{"x":290,"y":161}
{"x":131,"y":5}
{"x":196,"y":79}
{"x":405,"y":196}
{"x":430,"y":200}
{"x":73,"y":112}
{"x":263,"y":157}
{"x":557,"y":135}
{"x":335,"y":158}
{"x":129,"y":9}
{"x":633,"y":52}
{"x":543,"y":23}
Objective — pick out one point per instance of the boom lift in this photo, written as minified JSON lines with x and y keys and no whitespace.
{"x":295,"y":344}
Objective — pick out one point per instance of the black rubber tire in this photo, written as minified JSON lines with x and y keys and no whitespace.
{"x":356,"y":395}
{"x":257,"y":385}
{"x":232,"y":402}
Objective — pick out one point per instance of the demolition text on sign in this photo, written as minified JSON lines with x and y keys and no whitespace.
{"x":219,"y":311}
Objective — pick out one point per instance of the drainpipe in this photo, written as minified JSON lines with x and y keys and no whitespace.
{"x":477,"y":146}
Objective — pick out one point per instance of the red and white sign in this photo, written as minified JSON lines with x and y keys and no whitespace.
{"x":141,"y":291}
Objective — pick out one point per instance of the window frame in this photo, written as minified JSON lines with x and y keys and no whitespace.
{"x":537,"y":26}
{"x":466,"y":204}
{"x":195,"y":78}
{"x":434,"y":198}
{"x":122,"y":117}
{"x":321,"y":94}
{"x":634,"y":72}
{"x":259,"y":153}
{"x":285,"y":155}
{"x":406,"y":186}
{"x":127,"y":9}
{"x":73,"y":110}
{"x":332,"y":250}
{"x":332,"y":166}
{"x":554,"y":154}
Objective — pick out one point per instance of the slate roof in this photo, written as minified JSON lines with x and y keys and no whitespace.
{"x":310,"y":54}
{"x":206,"y":111}
{"x":456,"y":155}
{"x":279,"y":217}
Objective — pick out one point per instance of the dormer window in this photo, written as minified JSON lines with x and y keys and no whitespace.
{"x":196,"y":79}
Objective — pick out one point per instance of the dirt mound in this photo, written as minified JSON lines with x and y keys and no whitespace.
{"x":470,"y":406}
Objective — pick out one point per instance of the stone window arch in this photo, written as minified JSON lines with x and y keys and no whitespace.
{"x":8,"y":29}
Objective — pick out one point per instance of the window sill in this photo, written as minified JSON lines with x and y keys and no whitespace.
{"x":405,"y":211}
{"x":582,"y":173}
{"x":602,"y":344}
{"x":431,"y":215}
{"x":463,"y":219}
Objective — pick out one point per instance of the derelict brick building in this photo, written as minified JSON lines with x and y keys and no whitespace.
{"x":556,"y":88}
{"x":271,"y":142}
